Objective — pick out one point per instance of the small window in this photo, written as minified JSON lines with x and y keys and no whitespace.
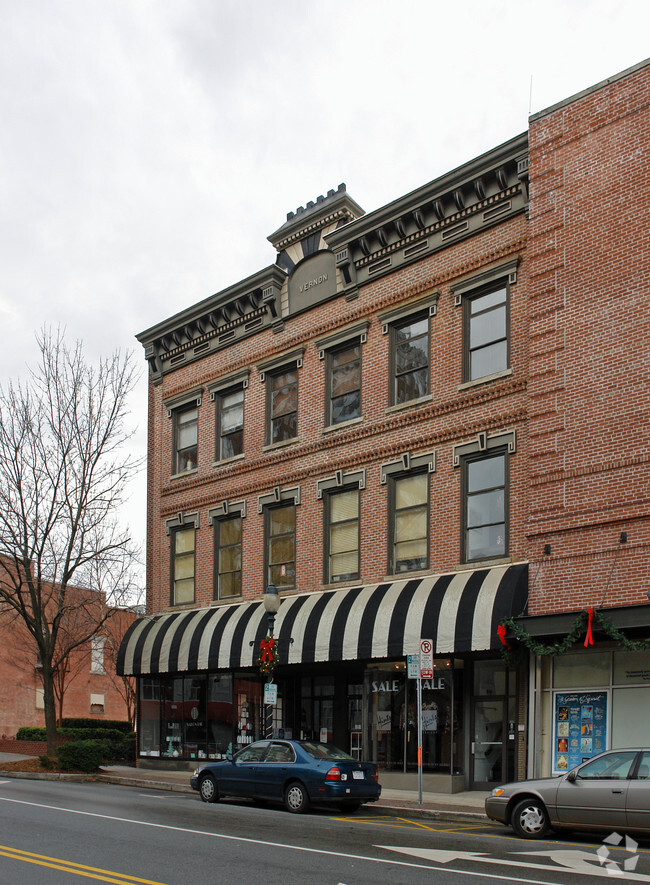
{"x":410,"y":359}
{"x":282,"y":405}
{"x":183,"y":540}
{"x":228,"y":557}
{"x":344,"y":383}
{"x":342,"y":536}
{"x":485,"y":333}
{"x":230,"y":423}
{"x":485,"y":525}
{"x":186,"y":423}
{"x":409,"y":522}
{"x":280,"y":546}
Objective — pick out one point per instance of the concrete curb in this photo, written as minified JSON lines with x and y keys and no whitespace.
{"x":412,"y":811}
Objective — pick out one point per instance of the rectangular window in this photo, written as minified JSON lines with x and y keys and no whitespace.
{"x":344,"y":383}
{"x":485,"y":528}
{"x":410,"y":359}
{"x":97,"y":644}
{"x":280,"y":546}
{"x":186,"y":428}
{"x":230,"y":423}
{"x":228,"y":556}
{"x":282,"y":405}
{"x":342,"y":536}
{"x":183,"y":542}
{"x":409,"y":523}
{"x":486,"y":333}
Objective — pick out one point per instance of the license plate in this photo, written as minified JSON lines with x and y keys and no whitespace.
{"x":357,"y":775}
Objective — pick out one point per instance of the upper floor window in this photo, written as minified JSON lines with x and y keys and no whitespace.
{"x":97,"y":644}
{"x":342,"y":535}
{"x":228,"y":556}
{"x":344,"y":383}
{"x":185,"y":445}
{"x":409,"y":522}
{"x":280,"y":545}
{"x":485,"y":506}
{"x":410,"y":359}
{"x":230,"y":423}
{"x":282,"y":405}
{"x":182,"y":533}
{"x":486,"y":333}
{"x":485,"y":299}
{"x":408,"y":510}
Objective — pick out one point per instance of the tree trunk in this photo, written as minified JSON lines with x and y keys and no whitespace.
{"x":50,"y":709}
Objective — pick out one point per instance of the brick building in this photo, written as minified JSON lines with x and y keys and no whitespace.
{"x":90,"y":688}
{"x":422,"y":422}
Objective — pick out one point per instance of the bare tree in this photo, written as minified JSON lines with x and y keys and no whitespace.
{"x":65,"y":558}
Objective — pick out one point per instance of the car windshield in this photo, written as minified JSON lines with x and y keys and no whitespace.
{"x":325,"y":751}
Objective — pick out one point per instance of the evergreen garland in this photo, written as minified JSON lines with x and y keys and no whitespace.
{"x":512,"y":656}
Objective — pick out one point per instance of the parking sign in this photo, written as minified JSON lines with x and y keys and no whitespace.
{"x":426,"y":659}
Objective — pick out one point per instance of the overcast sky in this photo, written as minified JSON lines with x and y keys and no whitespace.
{"x":149,"y":147}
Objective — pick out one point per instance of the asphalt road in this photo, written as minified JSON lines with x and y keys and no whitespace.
{"x":53,"y":833}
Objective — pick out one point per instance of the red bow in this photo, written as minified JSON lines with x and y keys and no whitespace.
{"x":589,"y":639}
{"x":266,"y":647}
{"x":501,"y":633}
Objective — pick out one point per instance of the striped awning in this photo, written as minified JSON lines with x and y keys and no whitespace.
{"x":460,"y":612}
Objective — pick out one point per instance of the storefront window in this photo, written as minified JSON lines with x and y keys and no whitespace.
{"x":171,"y":743}
{"x":219,"y":715}
{"x":390,"y":717}
{"x":149,"y":719}
{"x":249,"y":711}
{"x":194,"y":717}
{"x":581,"y":670}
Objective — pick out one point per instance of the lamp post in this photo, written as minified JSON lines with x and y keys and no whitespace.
{"x":271,"y":599}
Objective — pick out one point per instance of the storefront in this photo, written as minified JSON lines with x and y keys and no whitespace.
{"x":592,"y":699}
{"x":342,"y":676}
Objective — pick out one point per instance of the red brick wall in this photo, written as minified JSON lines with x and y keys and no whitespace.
{"x":589,"y":391}
{"x":20,"y":681}
{"x":451,"y":417}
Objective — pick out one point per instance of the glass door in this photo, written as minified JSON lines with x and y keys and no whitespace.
{"x":493,"y":725}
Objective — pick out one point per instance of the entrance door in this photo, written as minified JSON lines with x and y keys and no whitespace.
{"x":487,"y":742}
{"x":493,"y":727}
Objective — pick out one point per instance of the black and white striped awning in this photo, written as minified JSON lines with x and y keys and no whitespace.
{"x":459,"y":612}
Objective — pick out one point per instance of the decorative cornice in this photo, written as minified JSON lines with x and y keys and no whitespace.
{"x":216,"y":322}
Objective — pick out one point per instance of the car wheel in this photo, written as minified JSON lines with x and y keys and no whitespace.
{"x":529,"y":819}
{"x":296,"y":799}
{"x":208,"y":789}
{"x":350,"y":807}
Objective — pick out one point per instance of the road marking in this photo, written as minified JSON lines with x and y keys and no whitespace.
{"x":338,"y":854}
{"x":582,"y":862}
{"x":68,"y":866}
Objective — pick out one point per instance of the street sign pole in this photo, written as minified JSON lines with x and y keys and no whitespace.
{"x":419,"y":693}
{"x":426,"y":672}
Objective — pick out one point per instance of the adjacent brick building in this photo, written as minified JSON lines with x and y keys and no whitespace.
{"x":90,"y":687}
{"x":427,"y":421}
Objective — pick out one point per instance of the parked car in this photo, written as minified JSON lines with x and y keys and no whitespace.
{"x":609,"y":792}
{"x":297,"y":773}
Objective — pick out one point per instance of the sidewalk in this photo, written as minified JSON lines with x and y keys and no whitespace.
{"x":456,"y":807}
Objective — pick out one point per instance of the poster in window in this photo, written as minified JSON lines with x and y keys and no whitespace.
{"x":580,"y":730}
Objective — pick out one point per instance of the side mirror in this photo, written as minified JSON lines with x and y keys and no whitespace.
{"x":572,"y":776}
{"x":229,"y":757}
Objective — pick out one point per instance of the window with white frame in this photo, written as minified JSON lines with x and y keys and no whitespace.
{"x":97,"y":644}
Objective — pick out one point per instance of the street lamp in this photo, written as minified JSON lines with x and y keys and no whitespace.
{"x":271,"y":599}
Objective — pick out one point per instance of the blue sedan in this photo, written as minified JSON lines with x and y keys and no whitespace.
{"x":297,"y":773}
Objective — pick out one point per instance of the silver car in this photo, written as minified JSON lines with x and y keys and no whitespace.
{"x":609,"y":792}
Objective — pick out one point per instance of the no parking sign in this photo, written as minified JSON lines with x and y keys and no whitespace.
{"x":426,"y":659}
